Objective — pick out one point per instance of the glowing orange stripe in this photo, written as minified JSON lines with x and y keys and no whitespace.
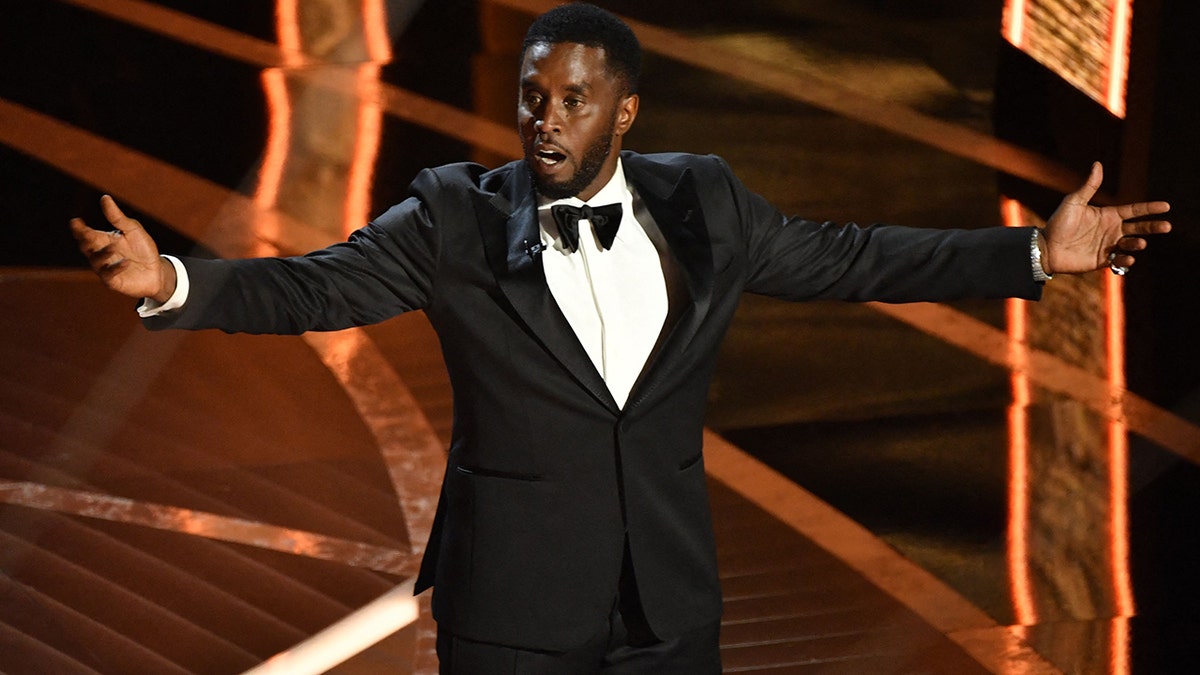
{"x":379,"y":44}
{"x":1123,"y":600}
{"x":1119,"y":655}
{"x":1118,"y":487}
{"x":1014,"y":21}
{"x":287,"y":30}
{"x":279,"y":107}
{"x":1118,"y":447}
{"x":209,"y":525}
{"x":368,"y":128}
{"x":1118,"y":61}
{"x":1119,"y":496}
{"x":1023,"y":598}
{"x":279,"y":132}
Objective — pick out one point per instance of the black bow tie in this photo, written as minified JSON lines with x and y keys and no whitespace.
{"x":604,"y":219}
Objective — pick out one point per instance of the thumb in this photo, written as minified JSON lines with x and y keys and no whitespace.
{"x":1084,"y":194}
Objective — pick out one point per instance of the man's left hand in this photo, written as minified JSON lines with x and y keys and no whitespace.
{"x":1081,"y":238}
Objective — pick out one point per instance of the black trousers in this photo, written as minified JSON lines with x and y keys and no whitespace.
{"x":626,"y":646}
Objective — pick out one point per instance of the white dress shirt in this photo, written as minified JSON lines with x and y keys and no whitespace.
{"x":615,"y":299}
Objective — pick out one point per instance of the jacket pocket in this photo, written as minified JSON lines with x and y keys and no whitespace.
{"x":691,"y":461}
{"x":495,"y":473}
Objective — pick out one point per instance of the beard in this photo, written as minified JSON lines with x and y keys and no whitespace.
{"x":589,"y":167}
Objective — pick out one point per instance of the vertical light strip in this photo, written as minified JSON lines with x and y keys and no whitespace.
{"x":375,"y":31}
{"x":1118,"y":446}
{"x":287,"y":30}
{"x":1118,"y":59}
{"x":279,"y":113}
{"x":1119,"y":648}
{"x":279,"y":132}
{"x":369,"y":120}
{"x":1024,"y":604}
{"x":1118,"y":467}
{"x":368,"y":128}
{"x":1014,"y":21}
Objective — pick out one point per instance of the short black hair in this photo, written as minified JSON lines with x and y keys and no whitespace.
{"x":587,"y":24}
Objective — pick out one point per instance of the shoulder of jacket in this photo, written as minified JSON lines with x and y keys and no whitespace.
{"x":670,"y":165}
{"x":677,"y":160}
{"x":459,"y":173}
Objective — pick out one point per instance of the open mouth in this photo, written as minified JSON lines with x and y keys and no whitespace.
{"x":549,"y":157}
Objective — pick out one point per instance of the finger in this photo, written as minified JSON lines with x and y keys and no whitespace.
{"x":111,"y":265}
{"x":80,"y":229}
{"x":1143,"y":227}
{"x":116,"y":216}
{"x":84,"y":232}
{"x":1088,"y":190}
{"x":1126,"y":244}
{"x":1141,"y":209}
{"x":91,"y":241}
{"x":100,"y":256}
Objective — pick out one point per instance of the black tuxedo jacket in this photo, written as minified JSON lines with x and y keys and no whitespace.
{"x":547,"y":477}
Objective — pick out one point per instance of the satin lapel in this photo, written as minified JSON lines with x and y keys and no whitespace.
{"x":512,"y":239}
{"x":676,"y":211}
{"x":681,"y":221}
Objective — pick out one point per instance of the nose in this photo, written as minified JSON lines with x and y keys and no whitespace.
{"x":548,"y":122}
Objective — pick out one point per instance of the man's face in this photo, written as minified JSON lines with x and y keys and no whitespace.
{"x":571,"y":115}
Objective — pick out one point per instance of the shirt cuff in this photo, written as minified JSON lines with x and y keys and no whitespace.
{"x":150,"y":307}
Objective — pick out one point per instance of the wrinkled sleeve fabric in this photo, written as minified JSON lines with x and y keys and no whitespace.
{"x":384,"y":269}
{"x":799,"y":259}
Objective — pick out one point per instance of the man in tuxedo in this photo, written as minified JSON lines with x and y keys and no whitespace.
{"x":580,"y":296}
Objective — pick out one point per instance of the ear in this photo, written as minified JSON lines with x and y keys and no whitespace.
{"x":627,"y":111}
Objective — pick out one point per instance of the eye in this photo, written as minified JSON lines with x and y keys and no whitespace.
{"x":532,"y":99}
{"x":573,"y":102}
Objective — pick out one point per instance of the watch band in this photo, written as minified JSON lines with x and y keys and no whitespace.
{"x":1035,"y":258}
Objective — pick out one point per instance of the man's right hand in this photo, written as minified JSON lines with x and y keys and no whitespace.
{"x":125,"y":258}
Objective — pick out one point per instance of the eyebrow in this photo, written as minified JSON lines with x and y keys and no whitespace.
{"x":575,"y":88}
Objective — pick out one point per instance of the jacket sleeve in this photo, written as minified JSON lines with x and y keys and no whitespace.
{"x":799,"y":259}
{"x":382,"y":270}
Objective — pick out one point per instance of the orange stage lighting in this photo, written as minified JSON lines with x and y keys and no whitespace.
{"x":1021,"y":586}
{"x":1086,"y":42}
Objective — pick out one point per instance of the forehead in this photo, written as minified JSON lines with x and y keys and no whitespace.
{"x":565,"y":63}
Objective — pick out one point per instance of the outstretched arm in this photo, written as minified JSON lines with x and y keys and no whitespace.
{"x":126,"y":257}
{"x":1080,"y":237}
